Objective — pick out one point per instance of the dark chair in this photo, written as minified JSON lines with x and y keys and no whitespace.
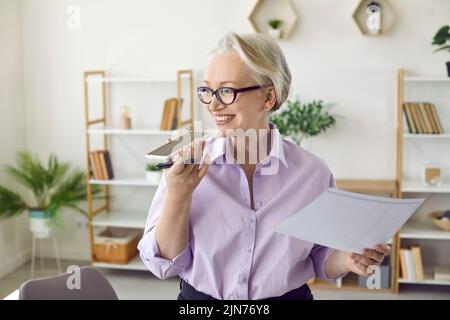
{"x":93,"y":286}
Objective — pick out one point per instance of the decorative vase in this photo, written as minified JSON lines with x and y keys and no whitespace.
{"x":40,"y":223}
{"x":448,"y":68}
{"x":275,"y":33}
{"x":153,"y":177}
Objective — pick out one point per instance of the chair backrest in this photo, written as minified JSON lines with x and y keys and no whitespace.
{"x":93,"y":285}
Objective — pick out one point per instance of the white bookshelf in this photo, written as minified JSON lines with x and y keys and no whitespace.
{"x":134,"y":131}
{"x":130,"y":80}
{"x":427,"y":79}
{"x":124,"y":219}
{"x":428,"y":280}
{"x":132,"y":182}
{"x":414,"y":229}
{"x":426,"y":136}
{"x":134,"y":264}
{"x":146,"y":96}
{"x":414,"y":151}
{"x":418,"y":186}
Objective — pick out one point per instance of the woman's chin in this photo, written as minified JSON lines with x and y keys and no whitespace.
{"x":224,"y":130}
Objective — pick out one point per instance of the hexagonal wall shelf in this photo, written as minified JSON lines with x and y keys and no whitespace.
{"x":373,"y":17}
{"x":265,"y":10}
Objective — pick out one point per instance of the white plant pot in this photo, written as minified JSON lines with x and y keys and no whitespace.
{"x":40,"y":224}
{"x":275,"y":33}
{"x":153,"y":176}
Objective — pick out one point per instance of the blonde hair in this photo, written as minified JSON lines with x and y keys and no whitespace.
{"x":264,"y":58}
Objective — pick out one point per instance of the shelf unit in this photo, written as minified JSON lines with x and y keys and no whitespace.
{"x":104,"y":215}
{"x":264,"y":10}
{"x":372,"y":187}
{"x":418,"y":228}
{"x":360,"y":16}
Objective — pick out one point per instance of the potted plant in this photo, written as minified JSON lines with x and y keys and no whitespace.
{"x":299,"y":121}
{"x":50,"y":187}
{"x":152,"y":173}
{"x":442,"y":39}
{"x":275,"y":31}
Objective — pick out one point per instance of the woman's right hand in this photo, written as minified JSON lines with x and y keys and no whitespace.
{"x":183,"y":177}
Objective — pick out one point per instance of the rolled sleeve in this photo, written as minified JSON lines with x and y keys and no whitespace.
{"x":319,"y":255}
{"x":159,"y":266}
{"x":148,"y":247}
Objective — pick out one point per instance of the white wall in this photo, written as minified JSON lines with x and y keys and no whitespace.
{"x":329,"y":59}
{"x":14,"y":235}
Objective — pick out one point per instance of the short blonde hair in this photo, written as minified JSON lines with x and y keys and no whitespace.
{"x":265,"y":59}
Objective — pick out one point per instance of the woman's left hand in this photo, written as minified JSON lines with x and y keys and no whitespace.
{"x":358,"y":263}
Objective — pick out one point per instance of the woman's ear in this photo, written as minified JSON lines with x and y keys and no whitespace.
{"x":271,"y":99}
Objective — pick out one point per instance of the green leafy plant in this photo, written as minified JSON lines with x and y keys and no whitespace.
{"x":299,"y":121}
{"x":151,"y":167}
{"x":442,"y":39}
{"x":275,"y":23}
{"x":52,"y":188}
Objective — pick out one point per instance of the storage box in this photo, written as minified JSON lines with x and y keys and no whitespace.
{"x":116,"y":245}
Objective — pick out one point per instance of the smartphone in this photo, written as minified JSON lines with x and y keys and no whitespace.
{"x":163,"y":155}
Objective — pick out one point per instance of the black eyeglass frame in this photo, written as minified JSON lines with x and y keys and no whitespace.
{"x":235,"y":92}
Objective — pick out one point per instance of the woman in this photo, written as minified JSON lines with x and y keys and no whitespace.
{"x":211,"y":224}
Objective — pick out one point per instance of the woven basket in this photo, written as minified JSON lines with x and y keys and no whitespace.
{"x":115,"y":245}
{"x":441,"y":224}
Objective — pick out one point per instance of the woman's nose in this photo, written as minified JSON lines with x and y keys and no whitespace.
{"x":215,"y":104}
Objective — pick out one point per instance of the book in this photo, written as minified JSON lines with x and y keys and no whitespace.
{"x":403,"y":265}
{"x":163,"y":124}
{"x":418,"y":263}
{"x":109,"y":168}
{"x":409,"y":119}
{"x":410,"y":265}
{"x":99,"y":165}
{"x":434,"y":127}
{"x":428,"y":127}
{"x":416,"y":119}
{"x":172,"y":113}
{"x":94,"y":168}
{"x":420,"y":117}
{"x":436,"y":117}
{"x":101,"y":155}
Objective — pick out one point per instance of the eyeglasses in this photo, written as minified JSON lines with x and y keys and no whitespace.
{"x":226,"y":95}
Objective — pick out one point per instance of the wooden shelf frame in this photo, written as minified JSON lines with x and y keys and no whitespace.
{"x":412,"y":229}
{"x":98,"y":126}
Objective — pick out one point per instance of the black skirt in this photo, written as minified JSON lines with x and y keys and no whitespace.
{"x":188,"y":292}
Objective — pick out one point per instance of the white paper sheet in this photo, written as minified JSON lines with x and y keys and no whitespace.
{"x":349,"y":221}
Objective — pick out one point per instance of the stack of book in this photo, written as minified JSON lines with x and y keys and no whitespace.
{"x":411,"y":264}
{"x":101,"y":165}
{"x":169,"y":118}
{"x":422,"y":117}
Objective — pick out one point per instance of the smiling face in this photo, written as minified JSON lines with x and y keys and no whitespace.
{"x":250,"y":109}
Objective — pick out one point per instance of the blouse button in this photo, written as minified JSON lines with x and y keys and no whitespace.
{"x":259,"y":203}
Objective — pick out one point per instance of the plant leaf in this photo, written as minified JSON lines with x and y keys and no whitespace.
{"x":11,"y":204}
